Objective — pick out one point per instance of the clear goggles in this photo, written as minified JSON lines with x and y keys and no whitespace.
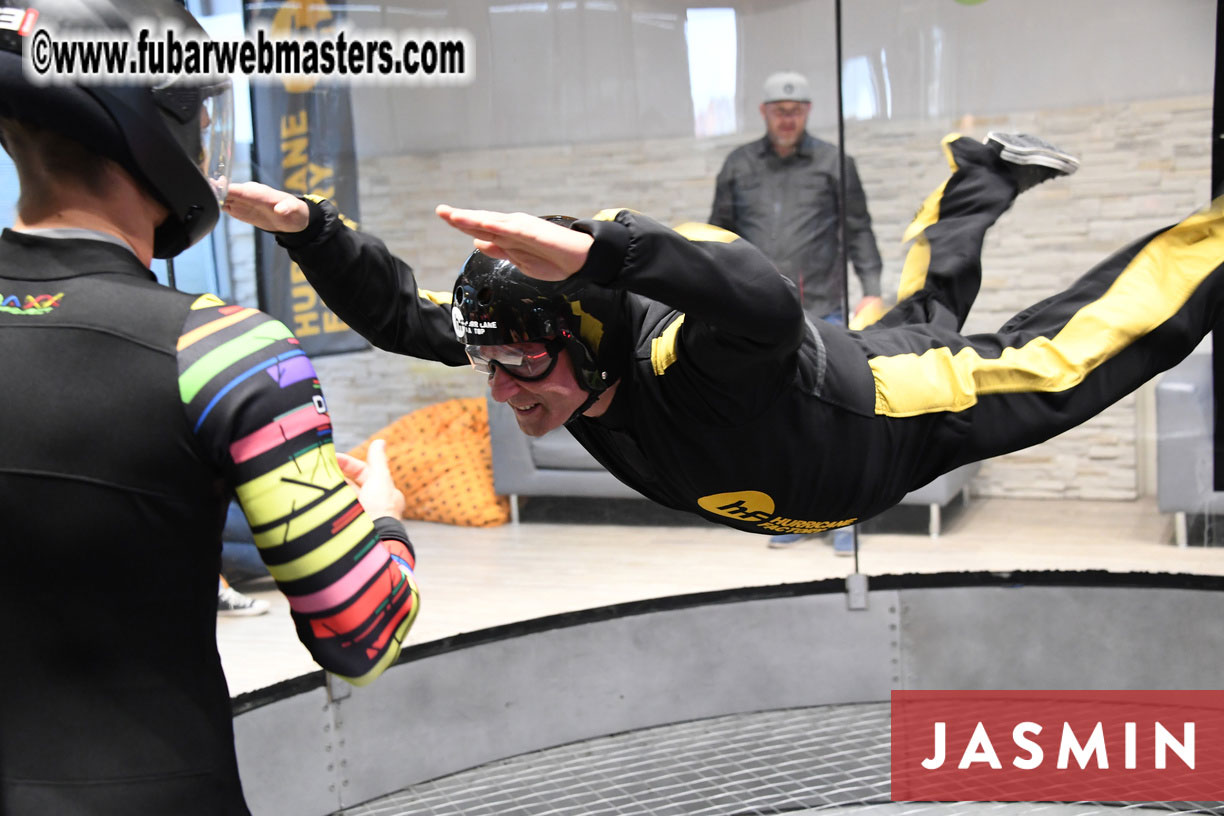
{"x":523,"y":361}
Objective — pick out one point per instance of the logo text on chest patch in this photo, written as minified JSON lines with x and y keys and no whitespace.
{"x":29,"y":304}
{"x":755,"y":507}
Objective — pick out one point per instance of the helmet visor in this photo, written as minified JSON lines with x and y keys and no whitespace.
{"x":200,"y":117}
{"x":523,"y":361}
{"x":217,"y":136}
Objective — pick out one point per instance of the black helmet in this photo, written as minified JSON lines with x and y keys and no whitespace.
{"x":175,"y":138}
{"x":495,"y":304}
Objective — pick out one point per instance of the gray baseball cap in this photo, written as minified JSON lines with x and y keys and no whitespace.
{"x":787,"y":86}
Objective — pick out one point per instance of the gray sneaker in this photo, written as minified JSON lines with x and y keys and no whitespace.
{"x":232,"y":602}
{"x":1031,"y":160}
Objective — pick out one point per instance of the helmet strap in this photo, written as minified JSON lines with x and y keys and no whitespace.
{"x":584,"y":364}
{"x":592,"y":398}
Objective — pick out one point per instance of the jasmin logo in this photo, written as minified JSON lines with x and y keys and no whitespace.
{"x":1030,"y":754}
{"x":32,"y":305}
{"x":1057,"y":745}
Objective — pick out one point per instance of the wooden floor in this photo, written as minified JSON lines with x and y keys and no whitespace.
{"x":475,"y":578}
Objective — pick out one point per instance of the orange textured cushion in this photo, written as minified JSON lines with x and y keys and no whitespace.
{"x":441,"y":458}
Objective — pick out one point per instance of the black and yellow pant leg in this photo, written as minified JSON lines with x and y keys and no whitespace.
{"x":943,"y":267}
{"x":1064,"y":360}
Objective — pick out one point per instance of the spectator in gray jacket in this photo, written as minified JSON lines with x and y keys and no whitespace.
{"x":780,"y":193}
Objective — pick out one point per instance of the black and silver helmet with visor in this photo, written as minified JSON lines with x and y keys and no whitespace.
{"x":174,"y":136}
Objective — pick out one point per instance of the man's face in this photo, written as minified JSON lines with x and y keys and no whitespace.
{"x":785,"y":122}
{"x":539,"y":405}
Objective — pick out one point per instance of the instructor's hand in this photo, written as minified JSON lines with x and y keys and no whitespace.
{"x":541,"y":249}
{"x":372,"y":479}
{"x":266,"y":207}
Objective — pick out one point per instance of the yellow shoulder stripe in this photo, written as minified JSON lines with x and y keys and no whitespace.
{"x":663,"y":347}
{"x":692,"y":230}
{"x":206,"y":300}
{"x":695,"y":231}
{"x":609,"y":214}
{"x":440,"y":298}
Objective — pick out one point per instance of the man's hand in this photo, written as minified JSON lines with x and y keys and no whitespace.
{"x":372,"y":479}
{"x":266,"y":207}
{"x":539,"y":248}
{"x":869,"y":310}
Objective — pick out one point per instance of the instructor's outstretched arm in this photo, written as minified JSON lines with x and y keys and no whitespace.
{"x":266,"y":208}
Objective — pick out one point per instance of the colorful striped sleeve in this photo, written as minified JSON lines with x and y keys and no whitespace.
{"x":255,"y":404}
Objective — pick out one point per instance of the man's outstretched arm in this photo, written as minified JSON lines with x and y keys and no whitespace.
{"x":708,"y":273}
{"x":358,"y":278}
{"x":539,"y":248}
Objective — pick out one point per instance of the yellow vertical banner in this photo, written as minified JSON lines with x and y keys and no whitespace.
{"x":303,"y":143}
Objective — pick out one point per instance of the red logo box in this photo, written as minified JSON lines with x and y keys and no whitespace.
{"x":1058,"y":746}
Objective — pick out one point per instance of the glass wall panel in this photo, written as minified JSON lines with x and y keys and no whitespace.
{"x":573,"y":106}
{"x":1127,"y":88}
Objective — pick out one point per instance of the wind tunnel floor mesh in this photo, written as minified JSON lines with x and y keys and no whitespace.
{"x":794,"y":761}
